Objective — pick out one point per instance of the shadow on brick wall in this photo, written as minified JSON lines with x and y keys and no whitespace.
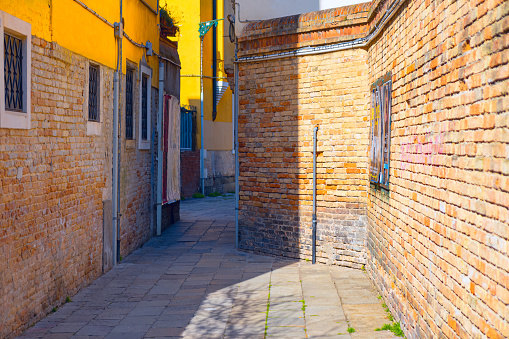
{"x":270,"y":173}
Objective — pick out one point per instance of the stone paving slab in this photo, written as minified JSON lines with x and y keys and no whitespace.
{"x":192,"y":283}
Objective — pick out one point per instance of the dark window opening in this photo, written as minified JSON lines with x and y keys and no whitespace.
{"x":93,"y":94}
{"x":129,"y":105}
{"x":13,"y":73}
{"x":144,"y":108}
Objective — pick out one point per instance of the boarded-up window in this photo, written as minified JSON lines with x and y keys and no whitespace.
{"x":380,"y":132}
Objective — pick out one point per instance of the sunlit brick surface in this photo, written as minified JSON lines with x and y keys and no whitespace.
{"x":436,"y":243}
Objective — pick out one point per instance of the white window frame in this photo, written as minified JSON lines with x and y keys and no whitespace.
{"x":93,"y":127}
{"x":144,"y":70}
{"x":22,"y":30}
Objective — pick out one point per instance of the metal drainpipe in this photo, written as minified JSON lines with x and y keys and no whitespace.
{"x":236,"y":129}
{"x":214,"y":60}
{"x":315,"y":131}
{"x":114,"y":189}
{"x":119,"y":139}
{"x":202,"y":128}
{"x":159,"y":198}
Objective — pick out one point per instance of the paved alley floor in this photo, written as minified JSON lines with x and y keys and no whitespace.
{"x":192,"y":283}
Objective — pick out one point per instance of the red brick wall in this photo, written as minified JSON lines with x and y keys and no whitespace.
{"x":190,"y":173}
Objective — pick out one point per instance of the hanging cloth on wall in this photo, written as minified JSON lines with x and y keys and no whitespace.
{"x":171,"y":149}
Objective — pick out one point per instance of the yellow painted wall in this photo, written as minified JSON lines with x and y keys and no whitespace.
{"x":189,"y":14}
{"x":36,"y":12}
{"x":76,"y":29}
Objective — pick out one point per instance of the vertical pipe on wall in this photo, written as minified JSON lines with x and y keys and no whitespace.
{"x":236,"y":141}
{"x":119,"y":135}
{"x":214,"y":60}
{"x":159,"y":198}
{"x":315,"y":131}
{"x":114,"y":181}
{"x":202,"y":128}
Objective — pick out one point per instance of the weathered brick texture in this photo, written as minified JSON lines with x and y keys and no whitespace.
{"x":51,"y":192}
{"x":278,"y":110}
{"x":436,"y":242}
{"x":54,"y":178}
{"x":190,"y":172}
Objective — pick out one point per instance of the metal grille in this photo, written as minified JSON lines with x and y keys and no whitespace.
{"x":93,"y":94}
{"x":144,"y":129}
{"x":13,"y":73}
{"x":186,"y":128}
{"x":129,"y":104}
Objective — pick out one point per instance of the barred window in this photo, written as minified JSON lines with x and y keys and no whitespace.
{"x":186,"y":127}
{"x":144,"y":108}
{"x":93,"y":94}
{"x":144,"y":117}
{"x":13,"y":73}
{"x":129,"y":104}
{"x":15,"y":81}
{"x":380,"y":133}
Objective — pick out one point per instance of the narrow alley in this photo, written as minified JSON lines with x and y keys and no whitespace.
{"x":192,"y":283}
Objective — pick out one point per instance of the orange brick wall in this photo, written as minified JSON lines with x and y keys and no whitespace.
{"x":53,"y":181}
{"x":438,"y":241}
{"x":52,"y":178}
{"x":280,"y":103}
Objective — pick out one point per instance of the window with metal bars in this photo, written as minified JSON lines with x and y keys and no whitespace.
{"x":93,"y":93}
{"x":186,"y":127}
{"x":13,"y":73}
{"x":129,"y":104}
{"x":144,"y":108}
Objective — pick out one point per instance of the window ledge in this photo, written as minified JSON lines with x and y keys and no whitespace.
{"x":94,"y":128}
{"x":22,"y":30}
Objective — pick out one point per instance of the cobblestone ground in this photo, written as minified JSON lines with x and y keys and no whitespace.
{"x":192,"y":283}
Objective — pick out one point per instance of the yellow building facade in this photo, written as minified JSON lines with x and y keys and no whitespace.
{"x":217,"y":125}
{"x":72,"y":26}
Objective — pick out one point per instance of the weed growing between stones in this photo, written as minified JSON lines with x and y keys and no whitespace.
{"x":350,"y":330}
{"x":267,"y":313}
{"x":394,"y":327}
{"x":303,"y":308}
